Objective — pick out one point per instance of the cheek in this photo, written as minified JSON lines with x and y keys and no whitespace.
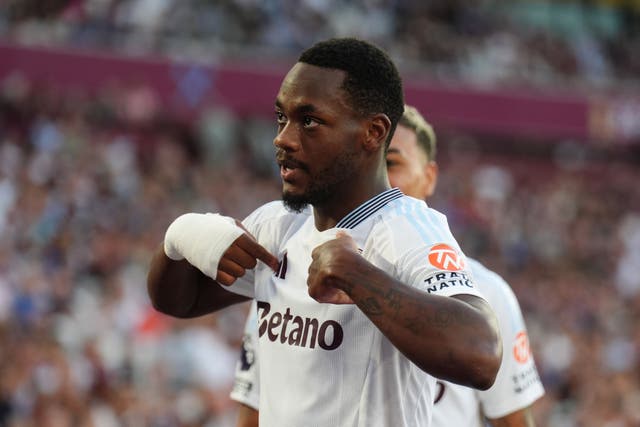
{"x":409,"y":183}
{"x":397,"y":178}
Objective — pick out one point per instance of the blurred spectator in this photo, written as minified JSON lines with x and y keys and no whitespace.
{"x":80,"y":203}
{"x":88,"y":182}
{"x":488,"y":42}
{"x":86,"y":187}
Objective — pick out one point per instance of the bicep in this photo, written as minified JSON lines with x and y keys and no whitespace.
{"x":479,"y":304}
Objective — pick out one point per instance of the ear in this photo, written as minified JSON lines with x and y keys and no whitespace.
{"x":378,"y":128}
{"x":431,"y":177}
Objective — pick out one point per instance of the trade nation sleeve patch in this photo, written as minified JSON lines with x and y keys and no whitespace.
{"x":444,"y":257}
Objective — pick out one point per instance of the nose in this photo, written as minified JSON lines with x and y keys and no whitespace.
{"x":287,"y":138}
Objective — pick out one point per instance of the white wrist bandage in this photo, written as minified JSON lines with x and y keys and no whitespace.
{"x":201,"y":239}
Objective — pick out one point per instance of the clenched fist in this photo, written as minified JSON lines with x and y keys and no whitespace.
{"x":331,"y":269}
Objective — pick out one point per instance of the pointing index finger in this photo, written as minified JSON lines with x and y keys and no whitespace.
{"x":253,"y":248}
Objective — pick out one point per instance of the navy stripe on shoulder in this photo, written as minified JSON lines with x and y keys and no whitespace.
{"x":368,"y":208}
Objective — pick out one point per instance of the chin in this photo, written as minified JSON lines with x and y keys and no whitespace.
{"x":294,"y":202}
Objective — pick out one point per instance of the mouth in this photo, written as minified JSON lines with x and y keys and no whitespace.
{"x":289,"y":167}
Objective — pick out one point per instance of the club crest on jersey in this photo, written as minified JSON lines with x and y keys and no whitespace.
{"x":444,"y":257}
{"x":282,"y":267}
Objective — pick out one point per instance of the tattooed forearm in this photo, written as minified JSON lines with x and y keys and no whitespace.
{"x":371,"y":307}
{"x":442,"y":318}
{"x":414,"y":324}
{"x":394,"y":301}
{"x":417,"y":324}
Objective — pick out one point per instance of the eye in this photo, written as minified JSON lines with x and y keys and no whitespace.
{"x":281,"y":118}
{"x":392,"y":161}
{"x":309,"y":122}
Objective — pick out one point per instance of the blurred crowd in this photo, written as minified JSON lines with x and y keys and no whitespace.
{"x":581,"y":43}
{"x":87,"y":187}
{"x":89,"y":183}
{"x":566,"y":235}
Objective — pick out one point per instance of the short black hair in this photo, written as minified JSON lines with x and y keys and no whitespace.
{"x":373,"y":83}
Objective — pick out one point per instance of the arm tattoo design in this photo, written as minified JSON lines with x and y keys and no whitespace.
{"x":371,"y":307}
{"x":394,"y":301}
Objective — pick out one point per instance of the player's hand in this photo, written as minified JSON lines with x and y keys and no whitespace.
{"x":329,"y":271}
{"x":243,"y":255}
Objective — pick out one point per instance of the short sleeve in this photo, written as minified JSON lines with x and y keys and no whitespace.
{"x":417,"y":247}
{"x":439,"y":269}
{"x":517,"y":383}
{"x":246,"y":387}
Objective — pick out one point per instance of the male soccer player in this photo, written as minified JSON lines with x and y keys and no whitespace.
{"x":363,"y":297}
{"x":411,"y":167}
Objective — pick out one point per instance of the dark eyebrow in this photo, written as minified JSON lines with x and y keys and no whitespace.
{"x":393,"y":150}
{"x":306,"y":108}
{"x":300,"y":109}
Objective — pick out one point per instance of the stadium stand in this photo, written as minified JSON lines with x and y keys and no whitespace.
{"x":81,"y":202}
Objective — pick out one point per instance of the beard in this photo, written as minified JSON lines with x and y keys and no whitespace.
{"x":324,"y":184}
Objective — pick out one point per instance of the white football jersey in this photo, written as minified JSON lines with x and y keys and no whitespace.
{"x":327,"y":365}
{"x":517,"y":384}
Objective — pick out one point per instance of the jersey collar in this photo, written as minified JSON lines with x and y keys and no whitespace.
{"x":368,"y":208}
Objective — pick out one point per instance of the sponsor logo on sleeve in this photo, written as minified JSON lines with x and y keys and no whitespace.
{"x":247,"y":353}
{"x":447,"y":279}
{"x":243,"y":383}
{"x":521,"y":349}
{"x":526,"y":374}
{"x":444,"y":257}
{"x":525,"y":379}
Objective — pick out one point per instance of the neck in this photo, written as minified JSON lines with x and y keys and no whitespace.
{"x":345,"y":199}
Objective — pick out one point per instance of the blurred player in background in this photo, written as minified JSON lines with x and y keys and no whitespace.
{"x":411,"y":167}
{"x":358,"y":294}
